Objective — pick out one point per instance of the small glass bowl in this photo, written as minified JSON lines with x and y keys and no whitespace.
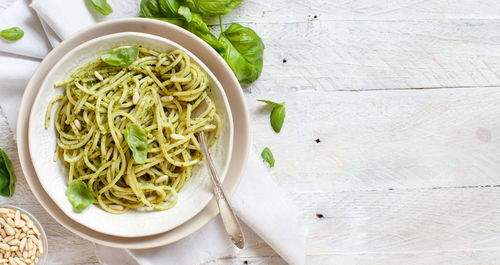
{"x":41,"y":259}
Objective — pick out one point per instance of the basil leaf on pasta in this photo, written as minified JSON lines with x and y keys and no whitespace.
{"x":267,"y":155}
{"x":7,"y":176}
{"x":14,"y":33}
{"x":79,"y":195}
{"x":277,"y":114}
{"x":137,"y":142}
{"x":102,"y":7}
{"x":121,"y":56}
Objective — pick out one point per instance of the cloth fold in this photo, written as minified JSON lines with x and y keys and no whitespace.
{"x":258,"y":201}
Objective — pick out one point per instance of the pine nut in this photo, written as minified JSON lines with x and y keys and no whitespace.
{"x":20,"y":224}
{"x":7,"y":239}
{"x":98,"y":76}
{"x":29,"y":224}
{"x":17,"y":217}
{"x":4,"y":210}
{"x":151,"y":198}
{"x":11,"y":261}
{"x":116,"y":207}
{"x":14,"y":248}
{"x":119,"y":135}
{"x":161,"y":179}
{"x":135,"y":98}
{"x":167,"y":98}
{"x":177,"y":136}
{"x":14,"y":242}
{"x":36,"y":231}
{"x":10,"y":222}
{"x":24,"y":217}
{"x":22,"y":244}
{"x":4,"y":247}
{"x":78,"y":125}
{"x":9,"y":230}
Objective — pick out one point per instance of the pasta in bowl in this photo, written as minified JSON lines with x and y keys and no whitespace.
{"x":125,"y":133}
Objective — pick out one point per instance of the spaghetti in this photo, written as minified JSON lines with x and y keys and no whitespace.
{"x":158,"y":92}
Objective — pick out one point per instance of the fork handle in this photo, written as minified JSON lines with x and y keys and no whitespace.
{"x":230,"y":221}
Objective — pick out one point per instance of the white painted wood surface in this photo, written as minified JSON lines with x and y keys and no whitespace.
{"x":404,"y":97}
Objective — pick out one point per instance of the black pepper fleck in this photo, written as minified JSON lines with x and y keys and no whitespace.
{"x":284,"y":60}
{"x":319,"y":215}
{"x":317,"y":140}
{"x":315,"y":16}
{"x":245,"y":262}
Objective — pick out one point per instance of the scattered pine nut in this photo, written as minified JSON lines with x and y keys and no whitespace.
{"x":78,"y":125}
{"x":177,"y":136}
{"x":135,"y":98}
{"x":98,"y":76}
{"x":166,"y":98}
{"x":161,"y":179}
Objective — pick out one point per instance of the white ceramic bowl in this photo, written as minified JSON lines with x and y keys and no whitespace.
{"x":53,"y":175}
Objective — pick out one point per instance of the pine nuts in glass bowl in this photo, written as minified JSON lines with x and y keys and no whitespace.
{"x":22,"y":238}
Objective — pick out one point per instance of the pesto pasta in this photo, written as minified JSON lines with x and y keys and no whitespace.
{"x":128,"y":131}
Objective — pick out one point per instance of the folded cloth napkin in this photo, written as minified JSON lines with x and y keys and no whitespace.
{"x":258,"y":201}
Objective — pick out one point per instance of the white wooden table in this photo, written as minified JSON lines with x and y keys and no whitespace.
{"x":391,"y":145}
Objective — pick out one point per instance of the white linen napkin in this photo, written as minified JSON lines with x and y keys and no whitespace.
{"x":258,"y":201}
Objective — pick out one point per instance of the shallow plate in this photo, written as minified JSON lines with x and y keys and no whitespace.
{"x":215,"y":63}
{"x":53,"y":176}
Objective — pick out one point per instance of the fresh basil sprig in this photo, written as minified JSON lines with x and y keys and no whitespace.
{"x":137,"y":142}
{"x":267,"y":155}
{"x":240,"y":46}
{"x":243,"y":52}
{"x":7,"y":176}
{"x":79,"y":195}
{"x":121,"y":56}
{"x":213,"y":7}
{"x":102,"y":7}
{"x":14,"y":33}
{"x":277,"y":114}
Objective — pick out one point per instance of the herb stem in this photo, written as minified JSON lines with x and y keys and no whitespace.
{"x":220,"y":24}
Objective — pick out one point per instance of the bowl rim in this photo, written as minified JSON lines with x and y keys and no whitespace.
{"x":127,"y":229}
{"x":40,"y":228}
{"x":204,"y":52}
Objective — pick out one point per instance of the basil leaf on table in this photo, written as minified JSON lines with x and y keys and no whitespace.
{"x":137,"y":142}
{"x":7,"y":176}
{"x":213,"y":7}
{"x":243,"y":50}
{"x":122,"y":56}
{"x":185,"y":12}
{"x":102,"y":7}
{"x":14,"y":33}
{"x":200,"y":29}
{"x":150,"y":8}
{"x":277,"y":114}
{"x":159,"y":8}
{"x":268,"y":156}
{"x":79,"y":195}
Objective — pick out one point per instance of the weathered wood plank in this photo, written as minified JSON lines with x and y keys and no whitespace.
{"x":382,"y":139}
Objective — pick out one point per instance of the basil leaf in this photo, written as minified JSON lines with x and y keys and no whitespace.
{"x":79,"y":195}
{"x":277,"y":114}
{"x":269,"y":102}
{"x":200,"y":29}
{"x":14,"y":33}
{"x":102,"y":6}
{"x":181,"y":22}
{"x":213,"y":7}
{"x":243,"y":51}
{"x":150,"y":8}
{"x":185,"y":13}
{"x":7,"y":176}
{"x":137,"y":142}
{"x":277,"y":117}
{"x":169,"y":7}
{"x":122,"y":56}
{"x":268,"y":156}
